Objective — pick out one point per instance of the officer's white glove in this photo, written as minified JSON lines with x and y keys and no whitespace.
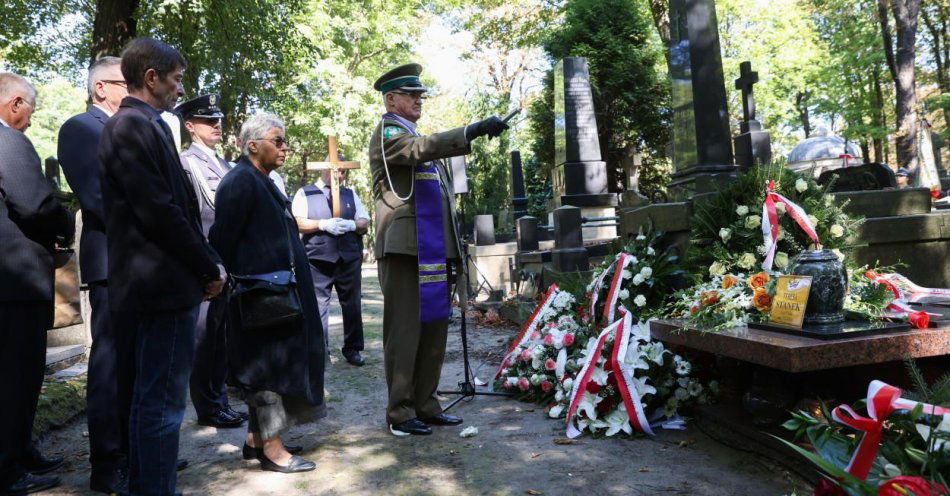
{"x":331,"y":226}
{"x":348,"y":225}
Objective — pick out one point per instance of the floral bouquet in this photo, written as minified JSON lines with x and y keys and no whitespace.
{"x":727,"y":300}
{"x":537,"y":360}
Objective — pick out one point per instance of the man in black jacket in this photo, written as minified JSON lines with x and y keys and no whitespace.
{"x":107,"y":408}
{"x":160,"y":265}
{"x":32,"y":223}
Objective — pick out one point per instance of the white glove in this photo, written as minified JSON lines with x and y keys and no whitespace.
{"x":348,"y":225}
{"x":331,"y":226}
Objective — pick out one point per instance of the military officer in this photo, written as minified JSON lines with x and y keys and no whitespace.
{"x":205,"y":169}
{"x":416,"y":244}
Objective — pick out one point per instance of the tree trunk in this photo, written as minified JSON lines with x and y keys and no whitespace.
{"x":113,"y":27}
{"x":906,"y":13}
{"x":660,"y":9}
{"x":880,"y":120}
{"x":801,"y":104}
{"x":865,"y":151}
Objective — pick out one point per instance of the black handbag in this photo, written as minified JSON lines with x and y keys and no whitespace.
{"x":268,"y":300}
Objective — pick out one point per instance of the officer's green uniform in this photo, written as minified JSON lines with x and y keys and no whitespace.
{"x":413,"y":351}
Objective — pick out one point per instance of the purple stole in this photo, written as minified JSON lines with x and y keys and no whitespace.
{"x":430,"y":237}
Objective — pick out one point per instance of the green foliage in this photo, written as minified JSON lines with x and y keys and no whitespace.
{"x":631,"y":99}
{"x":56,"y":101}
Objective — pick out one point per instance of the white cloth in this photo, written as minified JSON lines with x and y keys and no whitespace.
{"x":4,"y":122}
{"x":279,"y":182}
{"x":300,"y":209}
{"x":103,"y":109}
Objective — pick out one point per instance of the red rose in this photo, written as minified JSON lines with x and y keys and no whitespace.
{"x":523,"y":384}
{"x":549,"y":340}
{"x":526,"y":355}
{"x":901,"y":485}
{"x":545,"y":386}
{"x":935,"y":193}
{"x":920,"y":320}
{"x":568,"y":339}
{"x":605,"y":406}
{"x":608,"y":365}
{"x":550,"y":365}
{"x":593,"y":387}
{"x":870,"y":274}
{"x":826,"y":487}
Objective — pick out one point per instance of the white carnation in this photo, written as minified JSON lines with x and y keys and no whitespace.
{"x":637,"y":279}
{"x":624,"y":294}
{"x":626,"y":274}
{"x":742,"y":210}
{"x":725,"y":234}
{"x":646,"y":272}
{"x":801,"y":185}
{"x":753,"y":221}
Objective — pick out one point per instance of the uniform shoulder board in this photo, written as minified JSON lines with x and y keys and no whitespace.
{"x":392,"y":130}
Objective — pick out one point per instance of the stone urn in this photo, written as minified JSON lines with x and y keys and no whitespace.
{"x":829,"y":284}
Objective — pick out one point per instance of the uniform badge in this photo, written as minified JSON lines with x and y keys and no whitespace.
{"x":212,"y":99}
{"x":391,"y":131}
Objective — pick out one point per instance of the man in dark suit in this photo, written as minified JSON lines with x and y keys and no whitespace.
{"x":106,"y":407}
{"x":160,"y":265}
{"x":32,"y":223}
{"x":205,"y":169}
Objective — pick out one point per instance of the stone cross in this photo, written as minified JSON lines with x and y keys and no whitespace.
{"x":333,"y":165}
{"x":747,"y":78}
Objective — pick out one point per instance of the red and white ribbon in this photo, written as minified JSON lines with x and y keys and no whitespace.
{"x":882,"y":400}
{"x":914,"y":289}
{"x":899,"y":308}
{"x":595,"y":291}
{"x":620,"y":330}
{"x":611,"y":302}
{"x":770,"y":222}
{"x":529,"y":325}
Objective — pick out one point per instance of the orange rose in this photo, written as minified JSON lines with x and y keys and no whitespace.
{"x":693,"y":309}
{"x":729,"y":281}
{"x":708,"y":297}
{"x":758,"y":280}
{"x":761,"y":300}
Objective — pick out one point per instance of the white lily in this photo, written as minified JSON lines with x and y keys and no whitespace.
{"x":599,"y":376}
{"x":944,"y":426}
{"x":618,"y":421}
{"x":560,"y":364}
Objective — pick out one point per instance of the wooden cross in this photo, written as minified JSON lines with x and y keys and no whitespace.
{"x":333,"y":166}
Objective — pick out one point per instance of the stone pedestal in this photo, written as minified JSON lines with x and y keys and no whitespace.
{"x":484,"y":230}
{"x":569,"y":253}
{"x":753,"y":147}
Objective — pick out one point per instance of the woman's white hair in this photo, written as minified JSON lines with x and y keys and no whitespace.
{"x":257,"y":126}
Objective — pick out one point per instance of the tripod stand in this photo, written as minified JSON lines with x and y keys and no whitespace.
{"x":466,"y":388}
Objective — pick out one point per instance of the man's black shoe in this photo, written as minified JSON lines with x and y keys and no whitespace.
{"x":412,"y":426}
{"x":29,"y":483}
{"x":443,"y":419}
{"x":354,"y":358}
{"x":181,"y":464}
{"x":222,"y":419}
{"x":37,"y":464}
{"x":108,"y":481}
{"x":235,"y":413}
{"x":249,"y":453}
{"x":296,"y":464}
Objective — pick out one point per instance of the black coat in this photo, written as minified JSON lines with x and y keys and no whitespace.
{"x":30,"y":220}
{"x":77,"y":152}
{"x":158,"y":258}
{"x":255,"y":233}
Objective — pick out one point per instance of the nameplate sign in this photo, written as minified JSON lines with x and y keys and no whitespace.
{"x":791,"y":298}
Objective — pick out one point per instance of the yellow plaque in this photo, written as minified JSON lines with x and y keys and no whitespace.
{"x":791,"y":297}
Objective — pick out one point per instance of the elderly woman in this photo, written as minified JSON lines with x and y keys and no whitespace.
{"x":278,"y":367}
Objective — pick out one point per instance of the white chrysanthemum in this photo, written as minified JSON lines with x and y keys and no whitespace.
{"x":681,"y":394}
{"x":753,"y":221}
{"x":742,"y":210}
{"x":640,"y":300}
{"x":725,"y":234}
{"x":638,"y":279}
{"x":801,"y":185}
{"x":761,"y":249}
{"x":624,"y":294}
{"x":836,"y":231}
{"x":646,"y":272}
{"x":626,"y":274}
{"x":683,"y":368}
{"x":651,"y":251}
{"x":717,"y":269}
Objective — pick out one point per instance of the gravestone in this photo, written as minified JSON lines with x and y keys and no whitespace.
{"x":569,"y":253}
{"x":631,"y":197}
{"x":580,"y":176}
{"x":527,"y":233}
{"x":864,"y":177}
{"x":753,"y":146}
{"x":702,"y":142}
{"x":484,"y":230}
{"x":519,"y":200}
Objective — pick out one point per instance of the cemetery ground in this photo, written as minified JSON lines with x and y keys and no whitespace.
{"x":514,"y":452}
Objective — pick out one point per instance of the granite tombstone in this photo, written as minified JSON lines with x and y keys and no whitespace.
{"x":519,"y":200}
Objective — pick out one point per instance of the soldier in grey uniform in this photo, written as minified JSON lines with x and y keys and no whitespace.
{"x":410,"y":183}
{"x":205,"y":169}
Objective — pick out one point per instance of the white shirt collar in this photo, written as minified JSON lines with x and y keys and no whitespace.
{"x":105,"y":110}
{"x":4,"y":122}
{"x":320,"y":184}
{"x":211,"y":154}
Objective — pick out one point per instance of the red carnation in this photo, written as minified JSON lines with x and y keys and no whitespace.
{"x":568,"y":339}
{"x":550,"y":365}
{"x":545,"y":386}
{"x":605,"y":406}
{"x":523,"y":384}
{"x":593,"y":387}
{"x":549,"y":340}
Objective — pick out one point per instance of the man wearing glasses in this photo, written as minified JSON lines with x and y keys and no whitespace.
{"x":416,"y":244}
{"x":205,"y":169}
{"x":106,"y":405}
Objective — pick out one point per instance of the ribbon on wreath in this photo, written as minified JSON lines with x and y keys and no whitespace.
{"x":770,"y":222}
{"x":620,"y":331}
{"x":899,"y":307}
{"x":914,"y":290}
{"x":883,"y":399}
{"x":529,"y":325}
{"x":595,"y":291}
{"x":611,"y":302}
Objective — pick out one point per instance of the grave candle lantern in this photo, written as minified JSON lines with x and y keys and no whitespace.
{"x":828,"y":285}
